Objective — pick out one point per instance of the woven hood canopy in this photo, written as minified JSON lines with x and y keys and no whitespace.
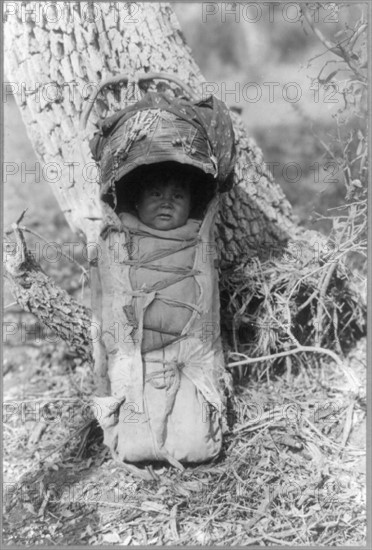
{"x":159,"y":129}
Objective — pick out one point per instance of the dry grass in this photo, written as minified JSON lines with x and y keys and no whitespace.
{"x":292,"y":471}
{"x":303,"y":298}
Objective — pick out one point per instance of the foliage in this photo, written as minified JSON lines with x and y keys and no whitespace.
{"x":345,"y":71}
{"x":299,"y":299}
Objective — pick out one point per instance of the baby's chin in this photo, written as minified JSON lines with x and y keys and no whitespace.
{"x":162,"y":225}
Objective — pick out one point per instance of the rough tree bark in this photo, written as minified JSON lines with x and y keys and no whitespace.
{"x":54,"y":307}
{"x":58,"y":64}
{"x":54,"y":58}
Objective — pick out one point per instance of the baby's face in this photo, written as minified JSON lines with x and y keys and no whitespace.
{"x":165,"y":205}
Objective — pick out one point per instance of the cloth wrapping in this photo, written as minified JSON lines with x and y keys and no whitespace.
{"x":167,"y":402}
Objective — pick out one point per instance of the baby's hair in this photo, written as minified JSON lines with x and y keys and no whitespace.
{"x":129,"y":189}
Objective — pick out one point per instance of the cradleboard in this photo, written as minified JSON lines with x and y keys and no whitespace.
{"x":155,"y":294}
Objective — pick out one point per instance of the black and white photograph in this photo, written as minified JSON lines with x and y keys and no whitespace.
{"x":185,"y":252}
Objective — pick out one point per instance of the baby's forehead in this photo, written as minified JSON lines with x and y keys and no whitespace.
{"x":176,"y":185}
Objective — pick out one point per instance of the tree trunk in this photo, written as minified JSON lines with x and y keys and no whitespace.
{"x":55,"y":65}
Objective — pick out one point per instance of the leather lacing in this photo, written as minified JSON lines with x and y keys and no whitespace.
{"x":171,"y":369}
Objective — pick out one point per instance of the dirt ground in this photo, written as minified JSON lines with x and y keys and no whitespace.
{"x":292,"y":469}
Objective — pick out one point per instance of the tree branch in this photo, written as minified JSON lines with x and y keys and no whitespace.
{"x":37,"y":293}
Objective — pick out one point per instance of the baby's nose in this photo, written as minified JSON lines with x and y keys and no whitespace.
{"x":168,"y":196}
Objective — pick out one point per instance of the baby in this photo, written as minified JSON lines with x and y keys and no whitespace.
{"x":164,"y":200}
{"x":165,"y":195}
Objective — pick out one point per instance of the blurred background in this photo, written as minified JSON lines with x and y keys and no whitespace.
{"x":256,"y":50}
{"x":267,"y":43}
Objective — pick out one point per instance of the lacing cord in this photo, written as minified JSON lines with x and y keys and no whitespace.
{"x":174,"y":302}
{"x":165,"y":344}
{"x":169,"y":367}
{"x":144,"y":233}
{"x":180,"y":275}
{"x":154,"y":267}
{"x":158,"y":255}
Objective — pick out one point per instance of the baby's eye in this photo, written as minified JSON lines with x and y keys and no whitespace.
{"x":155,"y":193}
{"x":178,"y":195}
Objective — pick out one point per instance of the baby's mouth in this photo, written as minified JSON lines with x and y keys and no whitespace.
{"x":165,"y":215}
